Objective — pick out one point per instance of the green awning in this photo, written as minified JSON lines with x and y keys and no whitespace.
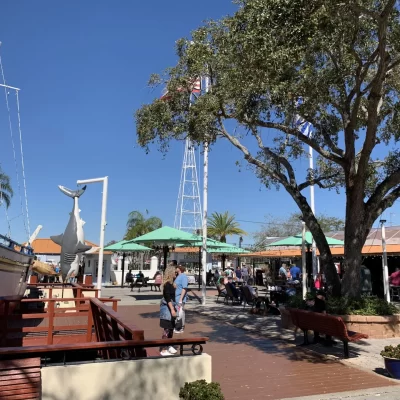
{"x":166,"y":236}
{"x":297,"y":241}
{"x":126,"y":245}
{"x":211,"y":243}
{"x":227,"y":250}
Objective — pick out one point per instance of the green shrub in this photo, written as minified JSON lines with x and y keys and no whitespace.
{"x":391,"y":352}
{"x":362,"y":306}
{"x":296,"y":301}
{"x":201,"y":390}
{"x":346,"y":306}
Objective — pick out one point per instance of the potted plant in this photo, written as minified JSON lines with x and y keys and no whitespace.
{"x":201,"y":390}
{"x":391,"y":356}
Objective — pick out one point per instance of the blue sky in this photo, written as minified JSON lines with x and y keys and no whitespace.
{"x":83,"y":68}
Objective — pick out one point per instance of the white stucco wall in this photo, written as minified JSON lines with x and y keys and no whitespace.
{"x":146,"y":379}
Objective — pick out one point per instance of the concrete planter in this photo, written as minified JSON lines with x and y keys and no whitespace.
{"x":376,"y":327}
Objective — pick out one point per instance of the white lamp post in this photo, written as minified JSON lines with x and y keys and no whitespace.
{"x":303,"y":259}
{"x":385,"y":263}
{"x":102,"y":225}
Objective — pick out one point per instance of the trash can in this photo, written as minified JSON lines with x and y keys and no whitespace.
{"x":88,"y":279}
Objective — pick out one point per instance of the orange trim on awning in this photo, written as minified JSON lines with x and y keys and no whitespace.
{"x":392,"y":249}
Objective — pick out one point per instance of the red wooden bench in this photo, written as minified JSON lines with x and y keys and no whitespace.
{"x":326,"y":324}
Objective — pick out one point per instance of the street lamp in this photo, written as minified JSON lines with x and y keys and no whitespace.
{"x":385,"y":262}
{"x":102,"y":224}
{"x":303,"y":259}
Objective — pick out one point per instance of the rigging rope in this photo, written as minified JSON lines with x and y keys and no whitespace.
{"x":13,"y":146}
{"x":23,"y":168}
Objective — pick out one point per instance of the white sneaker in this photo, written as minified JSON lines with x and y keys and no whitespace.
{"x":165,"y":353}
{"x":180,"y":331}
{"x":172,"y":350}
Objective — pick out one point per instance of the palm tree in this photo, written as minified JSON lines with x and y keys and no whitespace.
{"x":222,"y":225}
{"x":6,"y":191}
{"x":139,"y":225}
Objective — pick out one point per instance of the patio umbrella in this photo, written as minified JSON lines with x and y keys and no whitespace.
{"x":224,"y":251}
{"x":297,"y":241}
{"x":213,"y":246}
{"x":167,"y":236}
{"x":125,"y":246}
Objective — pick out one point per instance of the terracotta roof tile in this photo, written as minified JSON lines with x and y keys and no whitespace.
{"x":47,"y":246}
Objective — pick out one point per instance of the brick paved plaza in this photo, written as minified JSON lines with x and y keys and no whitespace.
{"x":251,"y":366}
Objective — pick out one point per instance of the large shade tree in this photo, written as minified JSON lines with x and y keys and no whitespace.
{"x":221,"y":225}
{"x":6,"y":191}
{"x":139,"y":225}
{"x":341,"y":59}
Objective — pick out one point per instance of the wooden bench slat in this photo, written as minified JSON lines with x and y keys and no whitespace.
{"x":5,"y":376}
{"x":23,"y":363}
{"x":22,"y":381}
{"x":25,"y":396}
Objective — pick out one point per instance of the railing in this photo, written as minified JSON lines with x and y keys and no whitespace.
{"x":78,"y":289}
{"x":51,"y":312}
{"x":116,"y":338}
{"x":123,"y":350}
{"x":109,"y":326}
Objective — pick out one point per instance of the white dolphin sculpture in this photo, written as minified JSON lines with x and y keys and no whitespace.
{"x":72,"y":241}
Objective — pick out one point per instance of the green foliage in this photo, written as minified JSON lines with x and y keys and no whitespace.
{"x":201,"y":390}
{"x":296,"y":301}
{"x":139,"y":225}
{"x":222,"y":225}
{"x":391,"y":352}
{"x":342,"y":58}
{"x":362,"y":306}
{"x":346,"y":306}
{"x":6,"y":191}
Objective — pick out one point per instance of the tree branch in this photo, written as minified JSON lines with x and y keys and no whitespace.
{"x":317,"y":181}
{"x":252,"y":160}
{"x":387,"y":202}
{"x":381,"y":191}
{"x":311,"y":142}
{"x":375,"y":95}
{"x":364,"y":11}
{"x":279,"y":159}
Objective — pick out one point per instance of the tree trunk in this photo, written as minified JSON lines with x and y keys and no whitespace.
{"x":325,"y":255}
{"x":356,"y":231}
{"x":223,"y":262}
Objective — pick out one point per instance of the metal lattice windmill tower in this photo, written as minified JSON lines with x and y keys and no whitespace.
{"x":188,"y":216}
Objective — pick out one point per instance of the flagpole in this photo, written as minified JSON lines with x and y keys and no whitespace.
{"x":312,"y":203}
{"x":205,"y":201}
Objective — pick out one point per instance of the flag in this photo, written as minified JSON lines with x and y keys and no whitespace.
{"x":195,"y":88}
{"x":304,"y":127}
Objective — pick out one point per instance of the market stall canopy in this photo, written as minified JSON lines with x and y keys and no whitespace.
{"x":297,"y":241}
{"x":167,"y":236}
{"x":211,"y":243}
{"x":126,"y":246}
{"x":227,"y":250}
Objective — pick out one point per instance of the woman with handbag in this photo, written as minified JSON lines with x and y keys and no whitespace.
{"x":168,"y":309}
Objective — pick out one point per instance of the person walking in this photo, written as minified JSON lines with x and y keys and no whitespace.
{"x":245,"y":273}
{"x":168,"y":310}
{"x":181,"y":284}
